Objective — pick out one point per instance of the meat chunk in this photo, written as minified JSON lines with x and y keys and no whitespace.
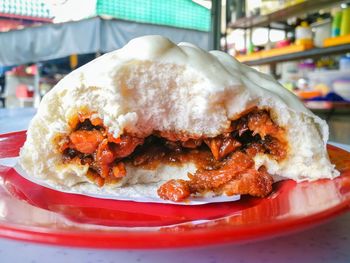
{"x":104,"y":157}
{"x":222,"y":145}
{"x":90,"y":143}
{"x":237,"y":176}
{"x":250,"y":182}
{"x":86,"y":141}
{"x":259,"y":122}
{"x":119,"y":170}
{"x":174,"y":190}
{"x":191,"y":143}
{"x":213,"y":180}
{"x":126,"y":145}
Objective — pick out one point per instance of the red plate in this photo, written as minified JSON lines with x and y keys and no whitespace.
{"x":34,"y":213}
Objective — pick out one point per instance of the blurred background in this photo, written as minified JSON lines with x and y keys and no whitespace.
{"x":305,"y":44}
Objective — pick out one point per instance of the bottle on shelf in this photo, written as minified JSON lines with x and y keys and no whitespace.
{"x":345,"y":22}
{"x":336,"y":22}
{"x":303,"y":34}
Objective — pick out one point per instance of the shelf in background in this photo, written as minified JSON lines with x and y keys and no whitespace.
{"x":310,"y":53}
{"x":274,"y":52}
{"x":335,"y":41}
{"x":282,"y":14}
{"x":328,"y":106}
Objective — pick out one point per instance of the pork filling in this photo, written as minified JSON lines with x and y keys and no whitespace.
{"x":224,"y":163}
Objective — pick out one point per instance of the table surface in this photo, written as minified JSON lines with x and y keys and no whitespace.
{"x":329,"y":242}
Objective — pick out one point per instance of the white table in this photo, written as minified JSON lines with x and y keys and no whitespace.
{"x":329,"y":242}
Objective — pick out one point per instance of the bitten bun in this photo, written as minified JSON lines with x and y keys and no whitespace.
{"x":152,"y":84}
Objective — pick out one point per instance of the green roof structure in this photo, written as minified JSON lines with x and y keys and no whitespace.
{"x":36,"y":9}
{"x":175,"y":13}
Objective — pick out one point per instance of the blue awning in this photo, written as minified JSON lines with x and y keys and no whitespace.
{"x":92,"y":35}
